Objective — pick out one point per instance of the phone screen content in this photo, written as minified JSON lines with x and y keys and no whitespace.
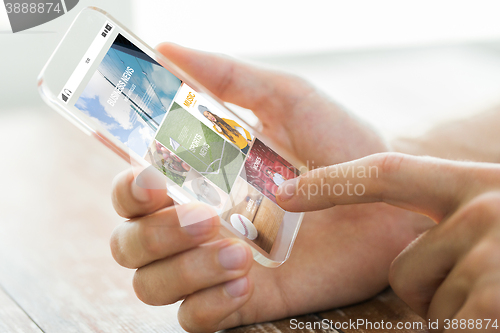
{"x":201,"y":148}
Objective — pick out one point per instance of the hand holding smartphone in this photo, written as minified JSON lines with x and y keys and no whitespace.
{"x":134,"y":100}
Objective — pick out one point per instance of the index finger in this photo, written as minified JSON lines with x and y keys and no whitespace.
{"x":431,"y":186}
{"x":234,"y":81}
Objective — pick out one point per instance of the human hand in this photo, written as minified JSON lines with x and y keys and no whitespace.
{"x":334,"y":262}
{"x":451,"y":274}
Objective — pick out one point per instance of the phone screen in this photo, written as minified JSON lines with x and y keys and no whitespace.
{"x":198,"y":146}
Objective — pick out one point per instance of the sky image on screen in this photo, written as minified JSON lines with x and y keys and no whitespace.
{"x":136,"y":114}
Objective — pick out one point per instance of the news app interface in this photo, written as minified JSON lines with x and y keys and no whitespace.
{"x":198,"y":146}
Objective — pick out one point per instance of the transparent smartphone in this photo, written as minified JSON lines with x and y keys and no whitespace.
{"x":135,"y":101}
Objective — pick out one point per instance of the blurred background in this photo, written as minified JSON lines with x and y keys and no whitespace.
{"x":402,"y":66}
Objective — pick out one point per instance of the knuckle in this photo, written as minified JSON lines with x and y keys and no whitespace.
{"x":114,"y":244}
{"x":396,"y":267}
{"x":389,"y":163}
{"x":397,"y":283}
{"x":485,"y":207}
{"x":145,"y":289}
{"x":483,"y":257}
{"x":149,"y":238}
{"x":117,"y":250}
{"x":398,"y":272}
{"x":486,"y":301}
{"x":184,"y":272}
{"x":393,"y":273}
{"x":199,"y":320}
{"x":119,"y":208}
{"x":140,"y":288}
{"x":476,"y":217}
{"x":153,"y":289}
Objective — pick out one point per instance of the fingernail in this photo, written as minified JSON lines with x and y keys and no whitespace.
{"x":139,"y":193}
{"x":287,"y":190}
{"x":238,"y":287}
{"x":233,"y":256}
{"x":197,"y":222}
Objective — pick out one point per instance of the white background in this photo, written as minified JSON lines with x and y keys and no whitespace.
{"x":284,"y":27}
{"x":401,"y":65}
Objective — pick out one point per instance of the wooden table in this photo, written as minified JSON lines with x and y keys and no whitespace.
{"x":56,"y":270}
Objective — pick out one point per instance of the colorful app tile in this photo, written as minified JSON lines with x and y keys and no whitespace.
{"x":266,"y":170}
{"x":200,"y":147}
{"x":252,"y":205}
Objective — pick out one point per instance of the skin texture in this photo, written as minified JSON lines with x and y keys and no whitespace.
{"x":452,"y":271}
{"x":342,"y":255}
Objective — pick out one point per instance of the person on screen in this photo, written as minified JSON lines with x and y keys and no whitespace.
{"x":277,"y":178}
{"x":228,"y":128}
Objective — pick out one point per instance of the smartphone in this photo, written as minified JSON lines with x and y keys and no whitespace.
{"x":111,"y":85}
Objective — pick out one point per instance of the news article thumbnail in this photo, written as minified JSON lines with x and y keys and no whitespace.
{"x":129,"y":95}
{"x":200,"y":147}
{"x":167,"y":162}
{"x":223,"y":124}
{"x":266,"y":170}
{"x":262,"y":212}
{"x":205,"y":191}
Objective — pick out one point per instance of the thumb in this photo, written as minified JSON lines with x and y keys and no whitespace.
{"x":431,"y":186}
